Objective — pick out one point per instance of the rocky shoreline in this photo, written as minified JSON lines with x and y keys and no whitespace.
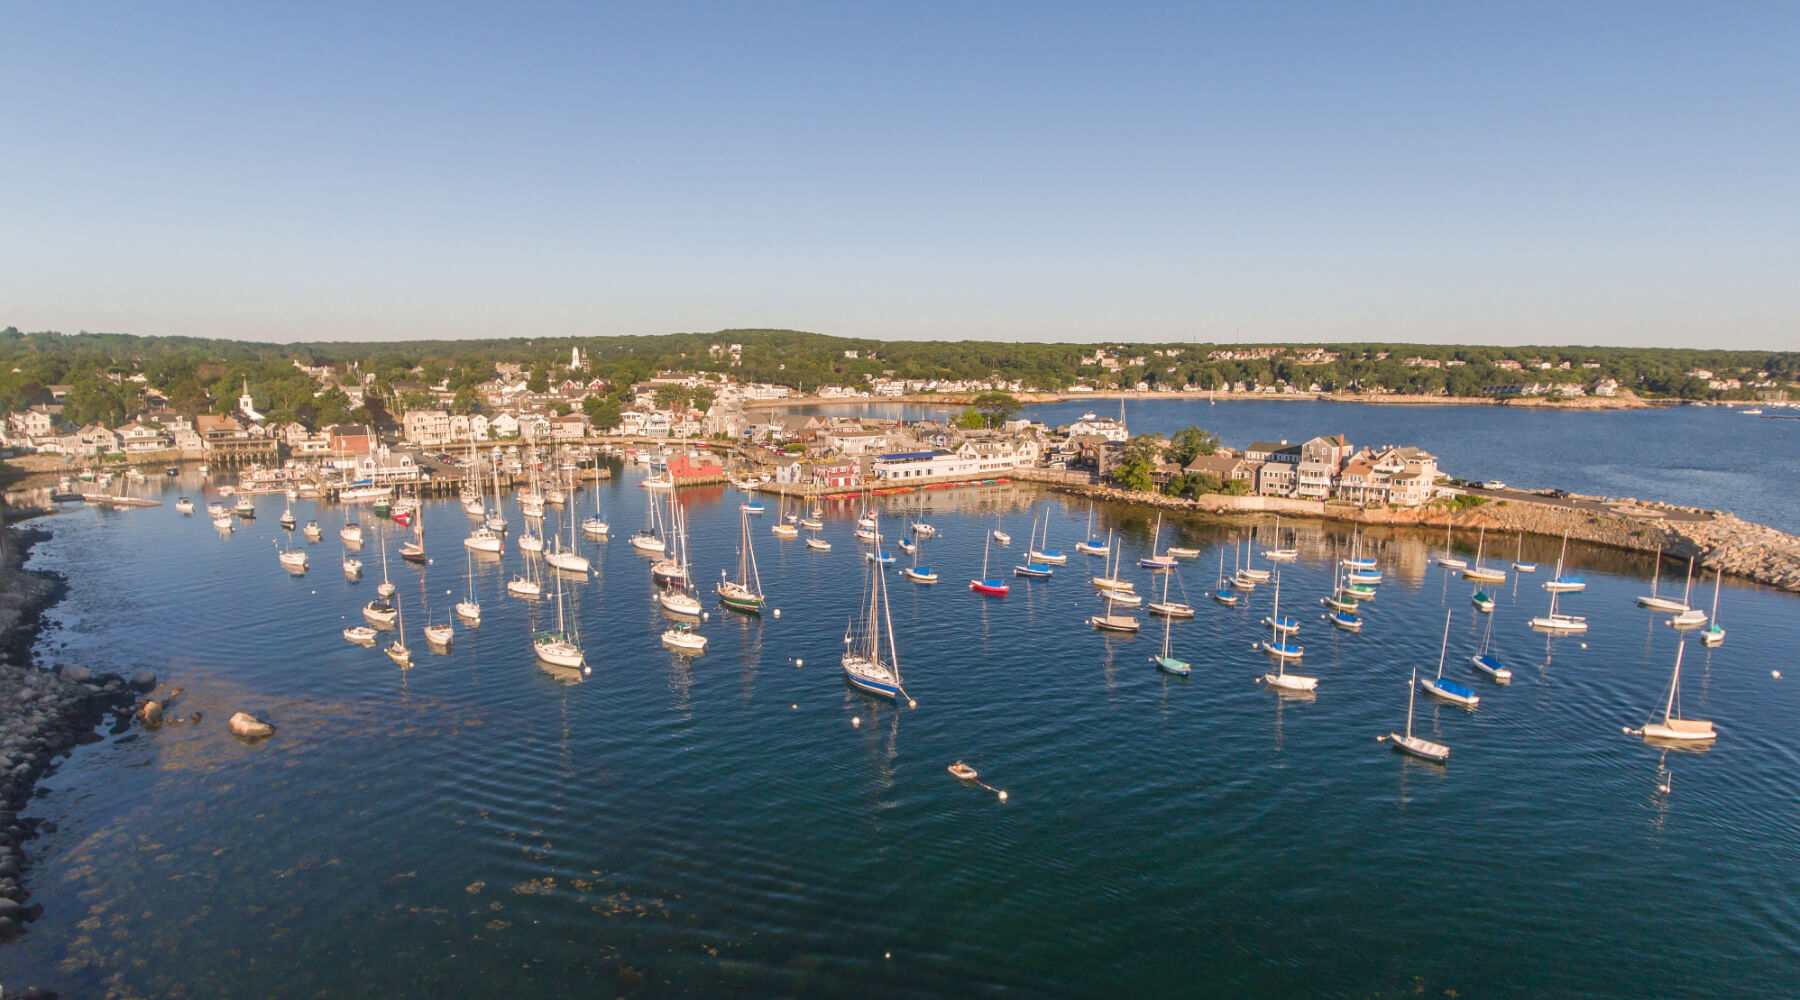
{"x":1715,"y":540}
{"x":44,"y":716}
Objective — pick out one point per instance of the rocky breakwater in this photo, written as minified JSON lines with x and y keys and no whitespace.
{"x":44,"y":716}
{"x":1715,"y":540}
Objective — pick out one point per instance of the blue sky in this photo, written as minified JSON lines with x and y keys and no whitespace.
{"x":1523,"y":173}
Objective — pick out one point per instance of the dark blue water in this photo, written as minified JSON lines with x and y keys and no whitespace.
{"x":477,"y":826}
{"x":1694,"y":456}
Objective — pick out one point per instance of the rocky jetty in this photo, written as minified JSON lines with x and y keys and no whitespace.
{"x":44,"y":715}
{"x":1716,"y":540}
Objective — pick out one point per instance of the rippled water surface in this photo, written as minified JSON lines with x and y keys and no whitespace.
{"x":479,"y":826}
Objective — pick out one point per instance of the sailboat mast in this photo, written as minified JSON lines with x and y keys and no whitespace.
{"x":1674,"y":683}
{"x":1445,"y":647}
{"x":1412,"y":692}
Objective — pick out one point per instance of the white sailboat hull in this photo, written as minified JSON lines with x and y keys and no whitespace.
{"x":1422,"y":748}
{"x":558,"y":653}
{"x":1560,"y":623}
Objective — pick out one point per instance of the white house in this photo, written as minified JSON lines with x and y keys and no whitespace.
{"x":426,"y":427}
{"x":1102,"y":427}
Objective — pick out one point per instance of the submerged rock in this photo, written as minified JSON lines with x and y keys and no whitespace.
{"x":249,"y":726}
{"x":144,"y":680}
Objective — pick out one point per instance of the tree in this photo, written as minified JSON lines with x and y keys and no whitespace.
{"x":466,"y":401}
{"x":1137,"y":471}
{"x":996,"y":407}
{"x":971,"y":419}
{"x":668,"y":397}
{"x":1190,"y":443}
{"x":539,"y":382}
{"x":561,"y":407}
{"x":601,"y":412}
{"x":703,"y":399}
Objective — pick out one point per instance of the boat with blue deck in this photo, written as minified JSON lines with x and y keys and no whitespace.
{"x":1344,"y":620}
{"x":1440,"y":688}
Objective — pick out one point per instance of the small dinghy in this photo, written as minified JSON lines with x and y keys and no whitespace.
{"x":963,"y":772}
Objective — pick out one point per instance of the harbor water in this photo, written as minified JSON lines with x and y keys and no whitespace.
{"x":745,"y":823}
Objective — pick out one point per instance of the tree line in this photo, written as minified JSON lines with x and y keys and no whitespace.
{"x":204,"y":375}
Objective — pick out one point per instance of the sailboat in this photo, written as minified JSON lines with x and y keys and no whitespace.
{"x":1554,"y":622}
{"x":1356,"y":561}
{"x":526,"y":586}
{"x":496,"y":521}
{"x":287,"y":519}
{"x":1479,"y":572}
{"x":745,"y":593}
{"x":1488,"y":663}
{"x":397,"y":650}
{"x":1417,"y":746}
{"x":1278,"y":553}
{"x":1658,"y":603}
{"x":1714,"y":633}
{"x":1222,"y":594}
{"x":1111,"y":579}
{"x":785,"y":526}
{"x":386,"y":590}
{"x":559,"y":648}
{"x":1448,"y":560}
{"x":1692,"y":617}
{"x":1039,"y":552}
{"x":987,"y":584}
{"x":1561,"y":583}
{"x":1238,"y":579}
{"x":1110,"y":622}
{"x":1483,"y":601}
{"x":530,"y":541}
{"x":1091,"y":545}
{"x":675,"y":575}
{"x":469,"y":610}
{"x":569,"y":560}
{"x":1276,"y":644}
{"x":1673,"y":726}
{"x":1168,"y":608}
{"x":862,"y":661}
{"x":1250,"y":573}
{"x":413,"y":551}
{"x":672,"y":569}
{"x":596,"y":525}
{"x":1519,"y":563}
{"x":1165,"y":661}
{"x":649,"y":539}
{"x":1154,"y":562}
{"x":915,"y":572}
{"x":438,"y":636}
{"x":1032,"y":567}
{"x":1450,"y":691}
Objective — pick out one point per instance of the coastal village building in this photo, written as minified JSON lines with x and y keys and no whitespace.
{"x":430,"y":428}
{"x":1102,"y":427}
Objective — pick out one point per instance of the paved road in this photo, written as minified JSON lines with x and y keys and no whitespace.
{"x":1572,"y":503}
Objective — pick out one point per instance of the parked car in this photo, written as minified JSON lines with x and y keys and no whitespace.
{"x":1493,"y":484}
